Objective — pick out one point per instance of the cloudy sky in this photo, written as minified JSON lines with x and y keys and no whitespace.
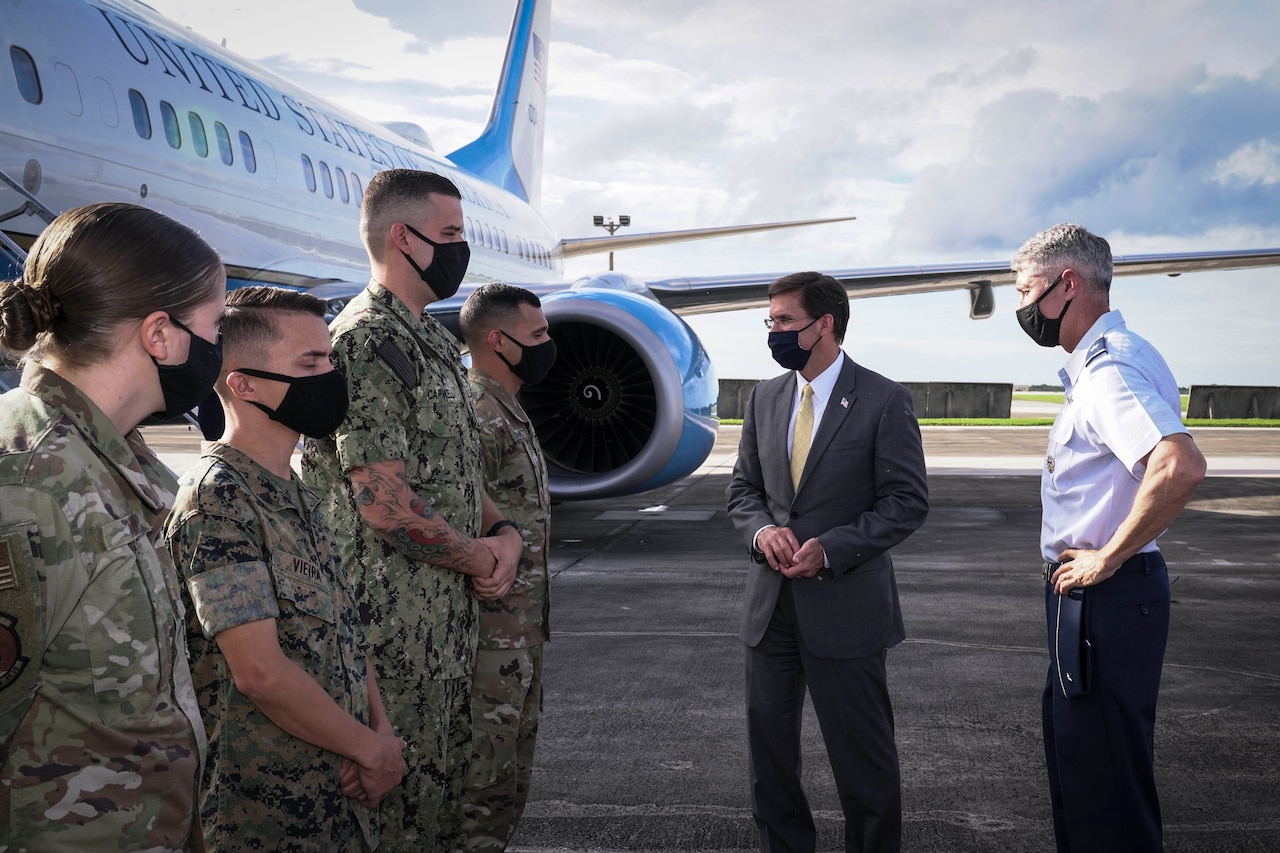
{"x":953,"y":130}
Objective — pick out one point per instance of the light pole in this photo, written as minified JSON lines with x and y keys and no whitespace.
{"x":611,"y":226}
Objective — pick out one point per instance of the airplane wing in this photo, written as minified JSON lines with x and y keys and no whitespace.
{"x":707,"y":294}
{"x":575,"y":247}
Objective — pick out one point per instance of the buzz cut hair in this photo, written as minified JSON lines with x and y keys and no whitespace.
{"x":490,"y":306}
{"x":819,"y":294}
{"x":397,"y":195}
{"x":1064,"y":246}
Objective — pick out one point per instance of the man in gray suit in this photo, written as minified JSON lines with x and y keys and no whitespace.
{"x":830,"y":476}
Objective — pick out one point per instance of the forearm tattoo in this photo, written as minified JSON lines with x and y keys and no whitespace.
{"x":410,"y":524}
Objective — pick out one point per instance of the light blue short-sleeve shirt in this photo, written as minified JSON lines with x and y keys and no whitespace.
{"x":1121,"y":400}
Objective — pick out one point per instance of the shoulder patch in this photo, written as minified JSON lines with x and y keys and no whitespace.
{"x":1099,"y":347}
{"x":399,"y":363}
{"x":20,"y":629}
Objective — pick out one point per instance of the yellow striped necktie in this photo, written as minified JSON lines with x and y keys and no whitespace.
{"x":803,"y":435}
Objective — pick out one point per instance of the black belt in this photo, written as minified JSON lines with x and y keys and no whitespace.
{"x":1146,"y":563}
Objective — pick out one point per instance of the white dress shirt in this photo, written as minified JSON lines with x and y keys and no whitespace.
{"x":823,"y":385}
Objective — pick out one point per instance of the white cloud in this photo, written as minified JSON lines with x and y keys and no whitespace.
{"x":1255,"y":163}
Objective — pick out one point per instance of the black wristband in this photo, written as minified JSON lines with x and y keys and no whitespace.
{"x":498,"y":525}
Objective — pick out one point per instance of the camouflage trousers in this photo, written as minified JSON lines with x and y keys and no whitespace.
{"x":423,"y":814}
{"x":506,"y":701}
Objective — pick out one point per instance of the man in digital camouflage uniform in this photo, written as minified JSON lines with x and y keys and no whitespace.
{"x":278,"y":655}
{"x":403,"y":485}
{"x":507,"y":334}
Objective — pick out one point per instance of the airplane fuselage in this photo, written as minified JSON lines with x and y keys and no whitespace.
{"x":120,"y":104}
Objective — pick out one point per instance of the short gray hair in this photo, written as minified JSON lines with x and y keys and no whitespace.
{"x":1066,"y":245}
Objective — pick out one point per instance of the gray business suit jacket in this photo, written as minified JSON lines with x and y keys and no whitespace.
{"x":862,"y":492}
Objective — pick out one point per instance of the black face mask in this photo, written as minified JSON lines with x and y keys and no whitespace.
{"x":1038,"y":327}
{"x":313,"y":405}
{"x":786,"y":348}
{"x":535,"y":361}
{"x":187,"y":384}
{"x":447,"y":268}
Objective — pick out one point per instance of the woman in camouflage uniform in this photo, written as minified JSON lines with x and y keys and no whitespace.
{"x":116,"y":319}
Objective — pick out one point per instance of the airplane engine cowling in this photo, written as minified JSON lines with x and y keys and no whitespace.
{"x":630,"y":403}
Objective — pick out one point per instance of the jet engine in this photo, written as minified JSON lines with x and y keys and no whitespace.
{"x":630,"y":404}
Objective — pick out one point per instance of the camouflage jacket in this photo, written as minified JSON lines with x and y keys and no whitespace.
{"x":410,"y":401}
{"x":515,"y":476}
{"x":101,"y":734}
{"x":251,"y":546}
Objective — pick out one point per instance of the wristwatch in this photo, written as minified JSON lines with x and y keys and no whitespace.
{"x":501,"y":523}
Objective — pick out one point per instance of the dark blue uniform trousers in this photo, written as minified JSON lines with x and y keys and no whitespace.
{"x":1100,"y":748}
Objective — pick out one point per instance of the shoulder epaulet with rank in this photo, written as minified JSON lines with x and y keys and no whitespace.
{"x":1099,"y":347}
{"x":399,"y":363}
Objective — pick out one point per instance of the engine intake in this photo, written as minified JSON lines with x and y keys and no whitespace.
{"x":629,"y":404}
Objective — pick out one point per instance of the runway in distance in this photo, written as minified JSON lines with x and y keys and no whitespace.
{"x":106,"y":100}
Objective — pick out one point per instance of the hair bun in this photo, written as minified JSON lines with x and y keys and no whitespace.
{"x":44,"y":307}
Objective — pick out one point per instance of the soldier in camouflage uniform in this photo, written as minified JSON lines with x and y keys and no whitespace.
{"x":100,"y":735}
{"x":506,"y":332}
{"x":278,"y":655}
{"x":403,"y":487}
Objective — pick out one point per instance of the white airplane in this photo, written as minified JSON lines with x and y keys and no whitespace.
{"x":106,"y":100}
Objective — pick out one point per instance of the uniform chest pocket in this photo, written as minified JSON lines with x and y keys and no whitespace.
{"x":439,"y":404}
{"x":303,"y":585}
{"x":1066,"y":447}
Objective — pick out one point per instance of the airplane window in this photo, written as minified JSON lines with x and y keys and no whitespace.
{"x":357,"y":191}
{"x":172,"y":132}
{"x":224,"y":143}
{"x":141,"y":115}
{"x":326,"y":180}
{"x":24,"y":69}
{"x":308,"y":173}
{"x":69,"y":86}
{"x":506,"y":249}
{"x":106,"y":102}
{"x":198,"y":137}
{"x":246,"y":149}
{"x":340,"y":178}
{"x":265,"y":157}
{"x":468,"y":230}
{"x":488,"y":235}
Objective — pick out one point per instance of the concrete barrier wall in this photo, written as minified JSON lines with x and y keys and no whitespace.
{"x":931,"y":399}
{"x":1233,"y":401}
{"x":732,"y":402}
{"x":961,"y":399}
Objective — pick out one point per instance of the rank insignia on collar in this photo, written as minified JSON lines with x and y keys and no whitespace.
{"x":1048,"y":463}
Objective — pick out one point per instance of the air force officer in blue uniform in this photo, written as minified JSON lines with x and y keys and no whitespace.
{"x":830,"y":476}
{"x":1119,"y":468}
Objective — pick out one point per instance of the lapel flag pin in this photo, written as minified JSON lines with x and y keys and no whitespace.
{"x":844,"y":402}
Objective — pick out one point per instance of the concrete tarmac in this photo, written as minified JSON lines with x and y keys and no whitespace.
{"x":643,"y":747}
{"x":642,"y":744}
